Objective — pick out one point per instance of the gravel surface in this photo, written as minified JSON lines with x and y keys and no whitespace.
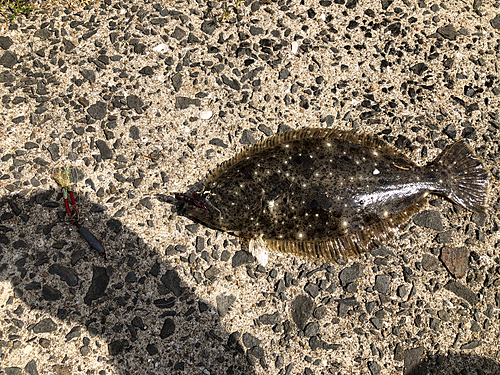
{"x":146,"y":98}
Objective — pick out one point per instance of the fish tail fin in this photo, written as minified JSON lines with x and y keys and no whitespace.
{"x":468,"y":182}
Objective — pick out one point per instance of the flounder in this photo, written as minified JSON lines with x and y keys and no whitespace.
{"x":330,"y":194}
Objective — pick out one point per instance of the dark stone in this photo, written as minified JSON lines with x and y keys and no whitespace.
{"x":345,"y":304}
{"x":7,"y":77}
{"x":178,"y":33}
{"x":224,"y":303}
{"x":350,"y":274}
{"x":374,"y":368}
{"x":377,"y":323}
{"x":257,"y":352}
{"x":209,"y":26}
{"x":18,"y":120}
{"x":232,"y":340}
{"x":68,"y":46}
{"x":159,"y":21}
{"x":242,"y":257}
{"x":50,"y":294}
{"x":414,"y":362}
{"x":311,"y":329}
{"x":172,"y":282}
{"x":140,"y":48}
{"x":134,"y":133}
{"x":147,"y":71}
{"x":8,"y":59}
{"x":211,"y":272}
{"x":193,"y":38}
{"x":351,"y":4}
{"x":217,"y":142}
{"x":270,"y":318}
{"x":320,"y":312}
{"x":98,"y":110}
{"x":66,"y":274}
{"x":146,"y":202}
{"x":151,"y":349}
{"x":104,"y":149}
{"x":45,"y":326}
{"x":30,"y":145}
{"x":316,"y":343}
{"x":177,"y":81}
{"x":231,"y":82}
{"x":434,"y":324}
{"x":382,"y":284}
{"x":456,"y":260}
{"x":462,"y":291}
{"x":448,"y":32}
{"x":253,"y":30}
{"x":134,"y":102}
{"x":181,"y":102}
{"x":419,"y":68}
{"x":312,"y":289}
{"x":444,"y":237}
{"x":401,"y":291}
{"x":114,"y":225}
{"x":116,"y":347}
{"x":100,"y":281}
{"x":74,"y":333}
{"x":265,"y":129}
{"x":430,"y":263}
{"x":5,"y":42}
{"x":31,"y":368}
{"x":250,"y":341}
{"x":104,"y":59}
{"x":54,"y":151}
{"x":200,"y":244}
{"x":495,"y":22}
{"x":471,"y":345}
{"x":284,"y":74}
{"x":302,"y":307}
{"x":247,"y":138}
{"x":167,"y":329}
{"x":429,"y":219}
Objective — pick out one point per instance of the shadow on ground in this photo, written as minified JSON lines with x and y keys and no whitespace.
{"x":455,"y":364}
{"x":134,"y":301}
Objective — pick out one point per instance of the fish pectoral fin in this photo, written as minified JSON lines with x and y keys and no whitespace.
{"x":351,"y":244}
{"x":259,"y":250}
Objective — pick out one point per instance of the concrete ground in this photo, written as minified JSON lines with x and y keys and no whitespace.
{"x":146,"y":98}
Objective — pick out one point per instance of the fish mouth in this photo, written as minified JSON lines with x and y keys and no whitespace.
{"x":191,"y":200}
{"x":201,"y":210}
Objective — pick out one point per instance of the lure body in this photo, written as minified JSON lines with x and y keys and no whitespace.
{"x":331,"y":193}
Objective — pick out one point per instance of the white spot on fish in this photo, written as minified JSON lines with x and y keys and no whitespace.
{"x":376,"y":172}
{"x":271,"y":205}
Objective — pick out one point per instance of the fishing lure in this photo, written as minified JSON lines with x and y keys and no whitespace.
{"x":330,"y":194}
{"x":65,"y":176}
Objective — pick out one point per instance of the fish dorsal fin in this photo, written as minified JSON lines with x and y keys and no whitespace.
{"x":361,"y":139}
{"x":349,"y":245}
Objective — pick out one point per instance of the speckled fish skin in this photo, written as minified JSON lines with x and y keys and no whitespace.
{"x":315,"y":185}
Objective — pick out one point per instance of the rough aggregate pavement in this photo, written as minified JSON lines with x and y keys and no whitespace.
{"x":145,"y":98}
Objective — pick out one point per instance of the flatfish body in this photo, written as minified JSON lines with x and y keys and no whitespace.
{"x":330,"y":194}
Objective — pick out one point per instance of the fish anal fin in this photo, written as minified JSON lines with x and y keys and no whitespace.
{"x":349,"y":245}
